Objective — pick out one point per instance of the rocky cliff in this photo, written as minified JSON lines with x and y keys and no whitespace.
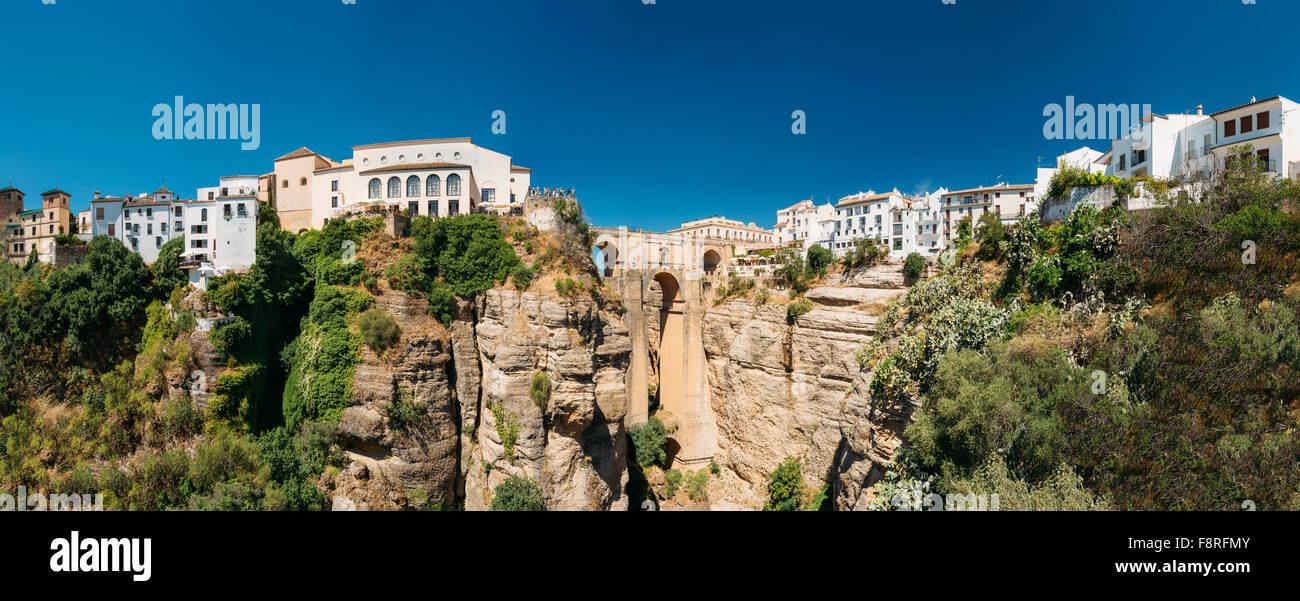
{"x":572,"y":443}
{"x":793,"y":387}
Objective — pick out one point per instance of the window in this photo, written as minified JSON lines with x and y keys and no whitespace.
{"x":225,"y":211}
{"x":413,"y":208}
{"x":453,"y":185}
{"x":157,"y":241}
{"x":211,"y":195}
{"x":178,"y":211}
{"x":198,"y":243}
{"x":1263,"y":159}
{"x":149,"y":229}
{"x":334,"y":186}
{"x":1205,"y":145}
{"x":374,"y":189}
{"x":99,"y":213}
{"x":412,"y":186}
{"x":1122,"y":164}
{"x":283,"y":184}
{"x":203,"y":215}
{"x":51,"y":228}
{"x":489,"y":195}
{"x":431,"y":186}
{"x":394,"y":187}
{"x":1229,"y":129}
{"x":302,"y":181}
{"x":334,"y":202}
{"x":1247,"y":124}
{"x":225,"y":191}
{"x":164,"y":227}
{"x":147,"y":212}
{"x":453,"y":207}
{"x":111,"y":227}
{"x":241,"y":211}
{"x":1261,"y":120}
{"x":433,"y":208}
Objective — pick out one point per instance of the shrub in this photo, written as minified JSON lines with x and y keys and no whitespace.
{"x":442,"y":303}
{"x":785,"y":487}
{"x":797,"y":308}
{"x":379,"y":330}
{"x":566,"y":287}
{"x":914,"y":266}
{"x":819,"y":258}
{"x":674,"y":480}
{"x":408,"y":275}
{"x":518,"y":494}
{"x":648,"y":441}
{"x":864,"y":253}
{"x":697,"y":484}
{"x":230,"y":338}
{"x":507,"y":430}
{"x":521,"y":277}
{"x":402,"y":413}
{"x":540,"y":390}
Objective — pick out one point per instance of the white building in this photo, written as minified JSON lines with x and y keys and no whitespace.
{"x":1184,"y":147}
{"x":1084,"y":158}
{"x":900,"y":223}
{"x":1271,"y":126}
{"x":220,"y":229}
{"x":141,"y":222}
{"x":1009,"y":201}
{"x":805,"y":222}
{"x":424,"y":177}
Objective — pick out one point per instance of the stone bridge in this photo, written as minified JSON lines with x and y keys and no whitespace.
{"x":662,"y":279}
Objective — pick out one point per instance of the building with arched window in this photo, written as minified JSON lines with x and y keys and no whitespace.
{"x":446,"y":177}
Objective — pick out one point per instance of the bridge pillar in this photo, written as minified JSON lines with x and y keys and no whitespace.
{"x":631,"y":287}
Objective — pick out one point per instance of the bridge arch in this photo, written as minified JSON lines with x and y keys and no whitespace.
{"x":712,"y":259}
{"x":608,"y":248}
{"x":672,"y":342}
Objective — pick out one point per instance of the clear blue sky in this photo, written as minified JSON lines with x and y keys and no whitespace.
{"x":655,"y":113}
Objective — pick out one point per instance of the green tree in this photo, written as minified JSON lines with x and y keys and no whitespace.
{"x":167,"y":270}
{"x":785,"y":487}
{"x":518,"y":494}
{"x":914,"y":266}
{"x":648,"y":441}
{"x":819,"y":258}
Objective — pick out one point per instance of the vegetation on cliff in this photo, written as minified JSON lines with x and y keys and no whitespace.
{"x":1135,"y":361}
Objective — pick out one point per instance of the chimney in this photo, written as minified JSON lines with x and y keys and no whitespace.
{"x":1200,"y":109}
{"x":1252,"y":99}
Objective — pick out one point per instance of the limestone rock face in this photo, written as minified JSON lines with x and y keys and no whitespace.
{"x":887,"y":274}
{"x":393,"y":462}
{"x":781,"y":388}
{"x":573,"y":443}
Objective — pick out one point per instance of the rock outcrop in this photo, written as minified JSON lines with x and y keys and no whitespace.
{"x":782,"y":387}
{"x":572,"y":443}
{"x":411,"y":460}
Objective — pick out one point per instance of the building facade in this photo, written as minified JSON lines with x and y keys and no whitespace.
{"x":37,"y":229}
{"x":220,"y":227}
{"x":422,"y":177}
{"x":1009,"y":202}
{"x":720,"y":229}
{"x":806,"y":223}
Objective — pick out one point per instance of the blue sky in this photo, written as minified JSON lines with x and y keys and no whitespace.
{"x":657,"y":114}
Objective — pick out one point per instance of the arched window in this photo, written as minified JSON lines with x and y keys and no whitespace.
{"x":453,"y":185}
{"x":394,"y":187}
{"x":284,"y":184}
{"x":413,"y":186}
{"x":374,"y":189}
{"x":302,"y":181}
{"x":431,"y":186}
